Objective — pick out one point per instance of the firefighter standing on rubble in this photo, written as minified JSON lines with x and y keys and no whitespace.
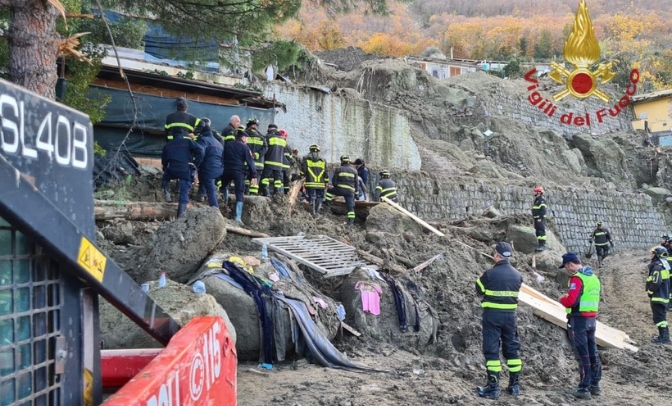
{"x":212,"y":167}
{"x":177,"y":157}
{"x":658,"y":290}
{"x":602,"y":240}
{"x":238,"y":164}
{"x":386,"y":187}
{"x":539,"y":217}
{"x":344,"y":183}
{"x":314,"y":169}
{"x":273,"y":161}
{"x":499,"y":287}
{"x":180,"y":122}
{"x":258,"y":145}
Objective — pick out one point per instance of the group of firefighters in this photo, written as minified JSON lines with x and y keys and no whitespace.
{"x":499,"y":288}
{"x":255,"y":164}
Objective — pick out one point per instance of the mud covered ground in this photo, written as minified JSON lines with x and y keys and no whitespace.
{"x":448,"y":371}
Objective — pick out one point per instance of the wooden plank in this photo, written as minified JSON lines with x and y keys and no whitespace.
{"x":428,"y":262}
{"x":351,"y":329}
{"x":413,"y":216}
{"x":544,"y":308}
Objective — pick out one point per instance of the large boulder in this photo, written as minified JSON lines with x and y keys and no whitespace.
{"x":385,"y":218}
{"x":179,"y":247}
{"x":658,"y":194}
{"x":118,"y":331}
{"x":525,"y":240}
{"x":385,"y":326}
{"x":604,"y":158}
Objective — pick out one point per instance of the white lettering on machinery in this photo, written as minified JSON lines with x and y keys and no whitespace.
{"x":56,"y":137}
{"x":206,"y":366}
{"x":169,"y":392}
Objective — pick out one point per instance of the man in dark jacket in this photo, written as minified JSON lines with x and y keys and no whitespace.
{"x":273,"y":161}
{"x":386,"y":187}
{"x":658,"y":290}
{"x":180,"y":122}
{"x":176,"y":157}
{"x":582,"y":302}
{"x":539,"y":217}
{"x":212,"y":166}
{"x":229,"y":132}
{"x":602,"y":240}
{"x":363,"y":173}
{"x":258,"y":145}
{"x":344,"y":183}
{"x":499,"y":287}
{"x":238,"y":163}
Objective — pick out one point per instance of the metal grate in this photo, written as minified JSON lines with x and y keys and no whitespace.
{"x":30,"y":321}
{"x":324,"y":254}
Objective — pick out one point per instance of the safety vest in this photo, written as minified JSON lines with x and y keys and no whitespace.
{"x":590,"y":295}
{"x":500,"y":286}
{"x":316,"y":171}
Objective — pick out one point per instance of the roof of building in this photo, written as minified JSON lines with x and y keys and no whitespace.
{"x":652,"y":96}
{"x":248,"y":97}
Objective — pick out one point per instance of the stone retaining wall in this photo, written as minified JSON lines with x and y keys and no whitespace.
{"x":631,"y":217}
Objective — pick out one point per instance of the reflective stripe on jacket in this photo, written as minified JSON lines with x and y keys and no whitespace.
{"x":499,"y":287}
{"x":539,"y":208}
{"x":315,"y":172}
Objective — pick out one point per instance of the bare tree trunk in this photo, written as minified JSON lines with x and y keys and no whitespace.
{"x":33,"y":45}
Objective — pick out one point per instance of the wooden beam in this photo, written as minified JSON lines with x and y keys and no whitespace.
{"x":428,"y":262}
{"x":413,"y":216}
{"x":351,"y":329}
{"x":245,"y":232}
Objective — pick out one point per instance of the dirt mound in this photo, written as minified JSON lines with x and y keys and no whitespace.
{"x":346,"y":59}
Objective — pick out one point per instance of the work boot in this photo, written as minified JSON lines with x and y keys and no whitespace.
{"x":225,"y":196}
{"x":595,"y":390}
{"x":491,"y":389}
{"x":166,"y":195}
{"x":583,"y":394}
{"x":201,"y":198}
{"x":351,"y":222}
{"x":181,"y":208}
{"x":663,"y":336}
{"x":541,"y":247}
{"x":239,"y":213}
{"x":514,"y":387}
{"x":312,"y":208}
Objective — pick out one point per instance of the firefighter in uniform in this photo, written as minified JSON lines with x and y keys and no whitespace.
{"x":257,"y":143}
{"x":238,"y":165}
{"x":344,"y":183}
{"x":273,"y":161}
{"x":499,"y":287}
{"x":229,"y":132}
{"x":177,"y":157}
{"x":602,"y":240}
{"x":386,"y":187}
{"x":539,"y":217}
{"x":287,"y":161}
{"x":666,"y":242}
{"x":314,"y":169}
{"x":658,"y":290}
{"x":180,"y":122}
{"x":582,"y":301}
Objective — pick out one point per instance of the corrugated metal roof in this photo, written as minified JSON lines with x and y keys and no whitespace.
{"x":652,"y":96}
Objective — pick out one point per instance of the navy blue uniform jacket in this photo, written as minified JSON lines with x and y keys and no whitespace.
{"x":236,"y":154}
{"x":178,"y":153}
{"x":212,"y":166}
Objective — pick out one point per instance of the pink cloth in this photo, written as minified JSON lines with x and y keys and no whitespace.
{"x":370,"y":294}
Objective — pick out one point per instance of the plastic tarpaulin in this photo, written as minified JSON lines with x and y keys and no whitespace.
{"x":147,"y":137}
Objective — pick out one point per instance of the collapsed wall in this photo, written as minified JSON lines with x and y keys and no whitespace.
{"x":631,"y":218}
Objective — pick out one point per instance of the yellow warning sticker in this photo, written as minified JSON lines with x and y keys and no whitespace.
{"x":91,"y":259}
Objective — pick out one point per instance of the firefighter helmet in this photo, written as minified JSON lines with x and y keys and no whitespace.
{"x":665,"y":237}
{"x":345,"y":159}
{"x":660,"y":252}
{"x":252,"y":121}
{"x":314,"y":148}
{"x":283,"y":134}
{"x":539,"y":189}
{"x":203,"y":125}
{"x":599,"y":224}
{"x":384,"y":174}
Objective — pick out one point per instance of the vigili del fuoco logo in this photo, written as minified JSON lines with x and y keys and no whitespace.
{"x":581,"y":51}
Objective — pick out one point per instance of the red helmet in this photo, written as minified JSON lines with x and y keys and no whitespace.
{"x":538,"y":189}
{"x":283,"y":133}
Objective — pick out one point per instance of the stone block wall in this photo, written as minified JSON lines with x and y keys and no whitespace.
{"x":631,"y":218}
{"x":518,"y":107}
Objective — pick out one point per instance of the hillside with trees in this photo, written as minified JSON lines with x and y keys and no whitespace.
{"x":635,"y":35}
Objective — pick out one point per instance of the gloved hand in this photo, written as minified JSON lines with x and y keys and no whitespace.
{"x":256,"y":156}
{"x":611,"y":243}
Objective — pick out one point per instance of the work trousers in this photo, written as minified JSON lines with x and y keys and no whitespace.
{"x":602,"y":250}
{"x":209,"y":189}
{"x":349,"y":196}
{"x":238,"y":179}
{"x":184,"y":184}
{"x":540,"y":230}
{"x":314,"y":194}
{"x":581,"y":332}
{"x":500,"y":326}
{"x":274,"y":174}
{"x":659,"y":311}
